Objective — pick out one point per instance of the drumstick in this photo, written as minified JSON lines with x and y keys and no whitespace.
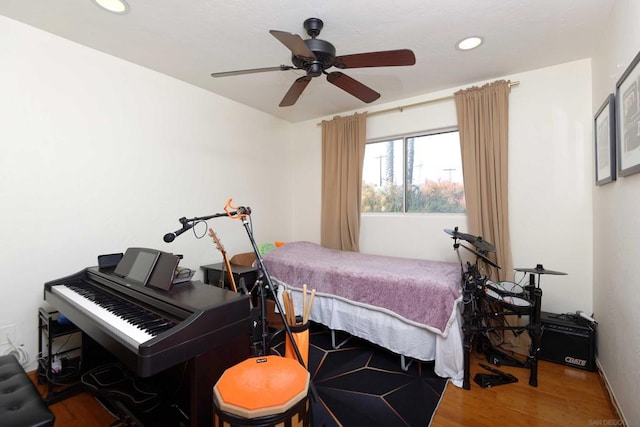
{"x":287,"y":307}
{"x":284,"y":306}
{"x":292,"y":316}
{"x":307,"y":312}
{"x":304,"y":300}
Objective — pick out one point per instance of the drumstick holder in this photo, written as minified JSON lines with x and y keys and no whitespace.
{"x":300,"y":334}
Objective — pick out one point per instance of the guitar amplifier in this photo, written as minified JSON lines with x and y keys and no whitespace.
{"x":569,"y":340}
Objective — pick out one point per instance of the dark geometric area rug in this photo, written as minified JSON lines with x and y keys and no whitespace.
{"x":361,"y":384}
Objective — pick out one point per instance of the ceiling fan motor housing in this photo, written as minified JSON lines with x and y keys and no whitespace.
{"x":325,"y":53}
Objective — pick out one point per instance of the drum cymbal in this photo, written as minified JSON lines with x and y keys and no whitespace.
{"x":476,"y":241}
{"x":540,"y":270}
{"x":483,"y":245}
{"x":481,"y":256}
{"x":458,"y":235}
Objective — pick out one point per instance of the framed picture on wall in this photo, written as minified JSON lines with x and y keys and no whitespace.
{"x":628,"y":119}
{"x":605,"y":142}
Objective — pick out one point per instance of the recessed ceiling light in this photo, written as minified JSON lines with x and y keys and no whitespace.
{"x":469,"y":43}
{"x":116,"y":6}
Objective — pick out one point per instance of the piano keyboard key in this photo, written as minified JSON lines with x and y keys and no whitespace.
{"x":131,"y":323}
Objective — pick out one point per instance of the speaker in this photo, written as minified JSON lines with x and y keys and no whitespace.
{"x":569,"y":340}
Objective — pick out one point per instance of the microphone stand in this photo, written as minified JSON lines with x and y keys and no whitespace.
{"x":188,"y":224}
{"x":242,"y":213}
{"x":265,"y":334}
{"x":204,"y":218}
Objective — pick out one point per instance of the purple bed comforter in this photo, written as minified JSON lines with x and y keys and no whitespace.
{"x":418,"y":290}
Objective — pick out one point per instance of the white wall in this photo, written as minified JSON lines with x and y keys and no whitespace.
{"x":550,"y":181}
{"x":98,"y":155}
{"x":549,"y":189}
{"x":616,"y":209}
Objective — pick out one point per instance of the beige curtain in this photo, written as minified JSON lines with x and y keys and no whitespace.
{"x":343,"y":142}
{"x":483,"y":122}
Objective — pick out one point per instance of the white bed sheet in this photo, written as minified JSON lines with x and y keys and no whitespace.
{"x":389,"y":330}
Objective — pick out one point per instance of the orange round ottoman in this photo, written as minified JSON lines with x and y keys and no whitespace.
{"x":262,"y":391}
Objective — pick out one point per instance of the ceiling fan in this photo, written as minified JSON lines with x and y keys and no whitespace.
{"x":316,"y":56}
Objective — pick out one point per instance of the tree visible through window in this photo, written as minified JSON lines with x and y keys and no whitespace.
{"x":420,"y":173}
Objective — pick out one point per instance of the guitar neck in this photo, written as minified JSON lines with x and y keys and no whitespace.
{"x":232,"y":282}
{"x":229,"y":272}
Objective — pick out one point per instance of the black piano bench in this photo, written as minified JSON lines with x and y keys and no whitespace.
{"x":20,"y":401}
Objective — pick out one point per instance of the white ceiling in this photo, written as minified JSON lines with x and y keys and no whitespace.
{"x":190,"y":39}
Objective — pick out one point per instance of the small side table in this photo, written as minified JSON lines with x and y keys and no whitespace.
{"x":216,"y":274}
{"x":65,"y":381}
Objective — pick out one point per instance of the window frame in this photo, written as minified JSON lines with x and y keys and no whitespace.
{"x":404,"y":137}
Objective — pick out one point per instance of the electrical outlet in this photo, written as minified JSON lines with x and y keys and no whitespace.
{"x":8,"y":333}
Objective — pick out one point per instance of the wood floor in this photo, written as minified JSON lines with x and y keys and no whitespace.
{"x":81,"y":410}
{"x":565,"y":396}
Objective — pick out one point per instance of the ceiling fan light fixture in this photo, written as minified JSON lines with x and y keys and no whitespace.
{"x":115,"y":6}
{"x":469,"y":43}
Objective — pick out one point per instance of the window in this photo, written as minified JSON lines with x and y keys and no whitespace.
{"x":416,"y":173}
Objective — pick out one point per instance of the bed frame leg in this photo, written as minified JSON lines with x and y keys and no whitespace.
{"x":403,"y":363}
{"x":333,"y":340}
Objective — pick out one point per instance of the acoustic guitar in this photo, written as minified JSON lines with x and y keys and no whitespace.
{"x":227,"y":264}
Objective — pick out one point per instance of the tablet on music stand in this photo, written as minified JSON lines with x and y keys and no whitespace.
{"x":137,"y":264}
{"x":164,"y":271}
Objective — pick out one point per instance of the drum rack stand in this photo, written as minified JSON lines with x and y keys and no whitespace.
{"x":473,"y":316}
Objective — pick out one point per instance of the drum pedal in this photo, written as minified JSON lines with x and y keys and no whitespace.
{"x":498,"y":358}
{"x":488,"y":380}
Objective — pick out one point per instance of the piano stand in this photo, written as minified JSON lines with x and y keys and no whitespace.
{"x":205,"y":370}
{"x":187,"y":388}
{"x":124,"y":417}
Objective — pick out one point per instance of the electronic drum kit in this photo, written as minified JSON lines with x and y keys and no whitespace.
{"x":484,"y":301}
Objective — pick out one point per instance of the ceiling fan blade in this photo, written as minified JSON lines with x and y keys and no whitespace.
{"x":294,"y":43}
{"x":295,"y":91}
{"x":352,"y":86}
{"x":387,"y":58}
{"x":252,"y":70}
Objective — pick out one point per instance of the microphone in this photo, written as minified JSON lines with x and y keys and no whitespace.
{"x":170,"y":237}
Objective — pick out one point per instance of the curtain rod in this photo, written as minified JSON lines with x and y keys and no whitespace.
{"x":417,"y":104}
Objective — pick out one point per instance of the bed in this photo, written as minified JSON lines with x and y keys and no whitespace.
{"x":408,"y":306}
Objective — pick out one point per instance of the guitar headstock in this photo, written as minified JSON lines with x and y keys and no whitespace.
{"x":215,"y":238}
